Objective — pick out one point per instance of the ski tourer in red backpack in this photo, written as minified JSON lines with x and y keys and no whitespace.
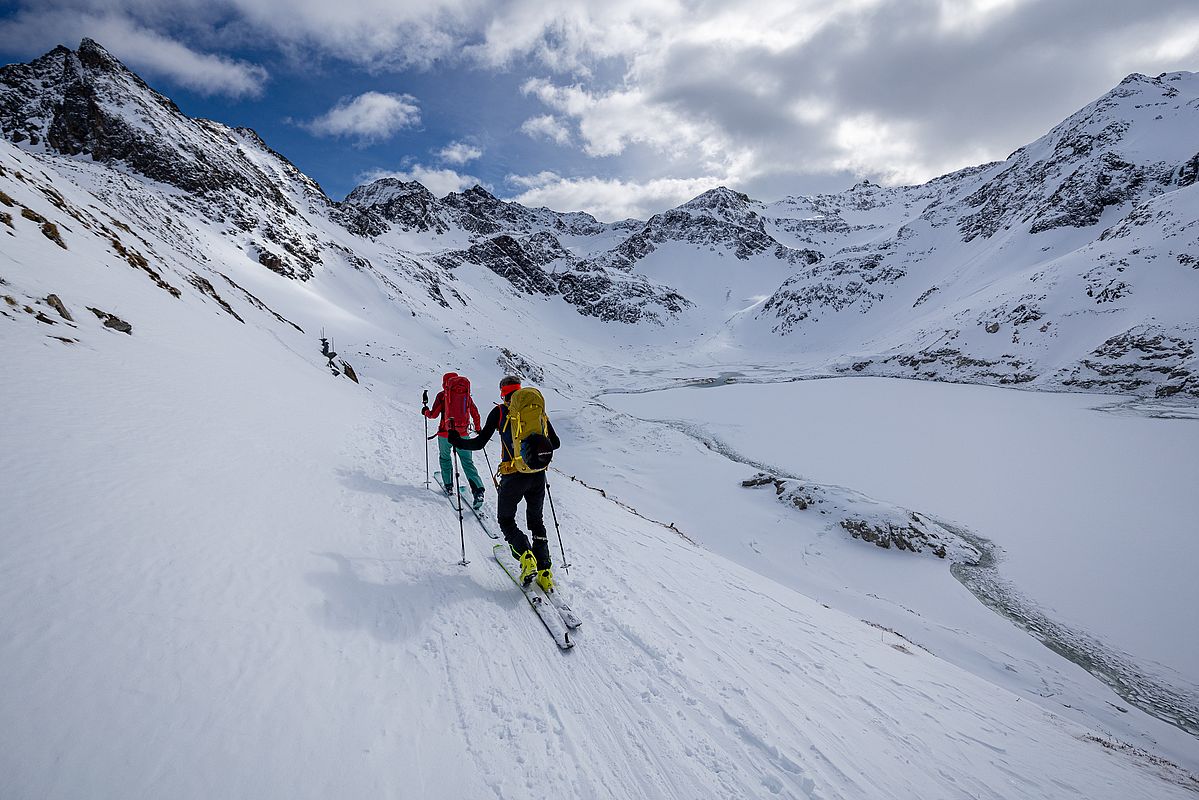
{"x":453,"y":402}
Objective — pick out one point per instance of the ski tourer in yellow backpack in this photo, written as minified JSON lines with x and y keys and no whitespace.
{"x":528,"y":443}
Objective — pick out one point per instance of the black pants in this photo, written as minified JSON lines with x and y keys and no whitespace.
{"x":530,"y":487}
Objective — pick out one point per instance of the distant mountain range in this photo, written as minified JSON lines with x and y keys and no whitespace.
{"x":1072,"y":264}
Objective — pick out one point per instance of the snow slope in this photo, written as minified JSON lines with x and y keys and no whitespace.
{"x":223,"y":575}
{"x":229,"y":580}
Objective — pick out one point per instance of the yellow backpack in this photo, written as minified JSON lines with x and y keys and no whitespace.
{"x":527,"y":423}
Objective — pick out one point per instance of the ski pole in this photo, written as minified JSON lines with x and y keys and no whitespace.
{"x":425,"y":404}
{"x":487,"y":458}
{"x":549,"y":494}
{"x":458,"y":491}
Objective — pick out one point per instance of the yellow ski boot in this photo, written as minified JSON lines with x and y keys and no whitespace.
{"x":528,"y":567}
{"x":545,"y":579}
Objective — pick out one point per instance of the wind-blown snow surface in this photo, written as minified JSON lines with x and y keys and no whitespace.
{"x":221,"y":574}
{"x":227,"y":579}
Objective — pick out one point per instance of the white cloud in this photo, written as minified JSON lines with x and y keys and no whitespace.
{"x":745,"y":87}
{"x":459,"y":153}
{"x":546,"y":126}
{"x":438,"y":181}
{"x":609,"y":199}
{"x":880,"y":88}
{"x":138,"y":47}
{"x":369,"y":117}
{"x":609,"y":122}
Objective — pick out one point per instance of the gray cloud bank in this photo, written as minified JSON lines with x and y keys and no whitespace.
{"x":759,"y":95}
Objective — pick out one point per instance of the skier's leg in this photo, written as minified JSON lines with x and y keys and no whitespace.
{"x":447,"y":463}
{"x":467,"y":459}
{"x":512,"y":487}
{"x":534,"y":505}
{"x":506,"y":501}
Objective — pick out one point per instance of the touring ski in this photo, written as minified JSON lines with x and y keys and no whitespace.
{"x":569,"y":618}
{"x":468,"y":502}
{"x":548,"y":614}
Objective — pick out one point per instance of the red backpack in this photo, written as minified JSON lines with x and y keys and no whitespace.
{"x":456,"y":397}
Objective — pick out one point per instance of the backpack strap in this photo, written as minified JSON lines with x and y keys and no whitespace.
{"x":505,"y":426}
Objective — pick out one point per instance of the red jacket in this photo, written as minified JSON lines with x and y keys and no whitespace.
{"x":456,"y":386}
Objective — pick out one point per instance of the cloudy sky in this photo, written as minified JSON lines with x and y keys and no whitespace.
{"x":626,"y":107}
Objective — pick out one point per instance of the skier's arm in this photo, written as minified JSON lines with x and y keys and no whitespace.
{"x":477,"y":443}
{"x":474,"y":413}
{"x":553,"y":437}
{"x":435,"y":411}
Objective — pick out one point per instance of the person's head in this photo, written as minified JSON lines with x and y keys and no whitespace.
{"x":508,"y":385}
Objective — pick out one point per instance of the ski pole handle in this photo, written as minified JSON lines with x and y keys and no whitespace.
{"x":424,"y":397}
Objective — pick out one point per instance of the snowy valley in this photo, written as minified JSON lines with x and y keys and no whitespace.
{"x":222,"y":572}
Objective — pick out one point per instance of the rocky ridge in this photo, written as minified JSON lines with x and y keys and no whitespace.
{"x":720,"y":218}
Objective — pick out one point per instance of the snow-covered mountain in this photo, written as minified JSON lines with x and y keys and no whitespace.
{"x":1071,"y":264}
{"x":1074,"y":263}
{"x":225,"y":555}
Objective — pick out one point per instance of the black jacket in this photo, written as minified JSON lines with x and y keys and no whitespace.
{"x":495,"y":421}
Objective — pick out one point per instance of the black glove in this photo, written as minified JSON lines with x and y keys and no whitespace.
{"x":453,"y":436}
{"x":424,"y":410}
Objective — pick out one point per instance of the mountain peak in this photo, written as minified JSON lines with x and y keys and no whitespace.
{"x":720,"y":197}
{"x":477,"y":192}
{"x":387,"y":189}
{"x":93,"y":55}
{"x":1166,"y":83}
{"x":87,"y":103}
{"x":1135,"y":77}
{"x":725,"y":192}
{"x":89,"y":45}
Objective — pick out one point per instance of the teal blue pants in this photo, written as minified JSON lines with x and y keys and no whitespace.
{"x":447,"y":464}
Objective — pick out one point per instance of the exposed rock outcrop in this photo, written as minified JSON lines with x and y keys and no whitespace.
{"x":885,"y":526}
